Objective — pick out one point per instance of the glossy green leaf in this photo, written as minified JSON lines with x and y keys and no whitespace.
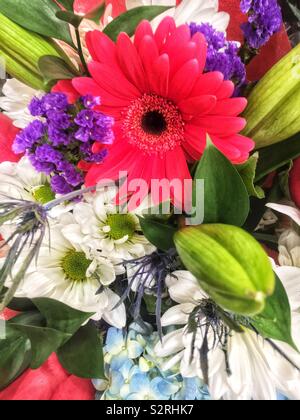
{"x":60,"y":316}
{"x":226,"y":198}
{"x":15,"y":356}
{"x":67,"y":4}
{"x":127,"y":22}
{"x":248,"y":173}
{"x":21,"y":305}
{"x":70,"y":17}
{"x":43,"y":340}
{"x":159,"y":234}
{"x":83,"y":355}
{"x":276,"y":156}
{"x":55,"y":68}
{"x":275,"y":321}
{"x":38,"y":16}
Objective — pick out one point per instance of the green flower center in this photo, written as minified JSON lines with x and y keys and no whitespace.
{"x":43,"y":194}
{"x":121,"y":225}
{"x":75,"y":265}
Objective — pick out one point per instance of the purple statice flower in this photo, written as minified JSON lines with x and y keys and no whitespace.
{"x":90,"y":101}
{"x":222,"y":55}
{"x":63,"y":136}
{"x":60,"y":185}
{"x":264,"y":20}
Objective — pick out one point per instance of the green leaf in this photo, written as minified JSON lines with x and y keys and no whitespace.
{"x":67,"y":4}
{"x":43,"y":340}
{"x":275,"y":322}
{"x":127,"y":22}
{"x":248,"y":172}
{"x":159,"y":234}
{"x":83,"y":354}
{"x":70,"y":17}
{"x":21,"y":305}
{"x":55,"y":68}
{"x":60,"y":316}
{"x":15,"y":356}
{"x":276,"y":156}
{"x":226,"y":198}
{"x":38,"y":16}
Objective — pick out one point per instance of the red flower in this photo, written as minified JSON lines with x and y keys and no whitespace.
{"x":163,"y":104}
{"x":295,"y":182}
{"x":8,"y":134}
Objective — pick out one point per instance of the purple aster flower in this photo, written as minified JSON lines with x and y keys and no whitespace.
{"x":60,"y":186}
{"x":222,"y":55}
{"x":83,"y":134}
{"x":264,"y":20}
{"x":55,"y":101}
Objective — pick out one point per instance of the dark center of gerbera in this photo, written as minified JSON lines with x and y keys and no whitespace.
{"x":153,"y":124}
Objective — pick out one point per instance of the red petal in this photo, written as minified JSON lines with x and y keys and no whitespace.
{"x":159,"y":77}
{"x":8,"y":133}
{"x":184,"y":80}
{"x":165,"y":28}
{"x":101,"y":47}
{"x":198,"y":105}
{"x":65,"y":86}
{"x":113,"y":81}
{"x":221,"y":126}
{"x":229,"y":107}
{"x":130,"y":62}
{"x":208,"y":84}
{"x":143,"y":29}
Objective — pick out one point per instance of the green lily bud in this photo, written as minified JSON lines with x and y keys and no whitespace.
{"x":273,"y":112}
{"x":21,"y":50}
{"x":230,"y":265}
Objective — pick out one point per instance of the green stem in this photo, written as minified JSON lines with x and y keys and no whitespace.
{"x":80,"y":51}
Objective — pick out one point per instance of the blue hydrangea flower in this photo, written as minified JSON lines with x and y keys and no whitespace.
{"x":63,"y":136}
{"x":134,"y":372}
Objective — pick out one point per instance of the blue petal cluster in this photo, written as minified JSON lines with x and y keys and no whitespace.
{"x":134,"y":372}
{"x":264,"y":20}
{"x":64,"y":135}
{"x":222,"y":55}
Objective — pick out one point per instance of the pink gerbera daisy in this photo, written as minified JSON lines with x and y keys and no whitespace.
{"x":163,"y":104}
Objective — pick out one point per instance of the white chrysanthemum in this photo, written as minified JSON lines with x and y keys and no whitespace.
{"x":74,"y":274}
{"x":241,"y":366}
{"x":198,"y":11}
{"x":17,"y":97}
{"x":289,"y":240}
{"x":21,"y":181}
{"x":117,"y":235}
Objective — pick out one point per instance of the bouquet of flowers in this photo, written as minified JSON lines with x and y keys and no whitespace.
{"x":149,"y":200}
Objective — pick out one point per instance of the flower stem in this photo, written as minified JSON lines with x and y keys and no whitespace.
{"x":80,"y":51}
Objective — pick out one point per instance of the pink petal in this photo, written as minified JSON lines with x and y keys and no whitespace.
{"x":198,"y":105}
{"x":221,"y":126}
{"x":208,"y":84}
{"x":184,"y":80}
{"x":148,"y":52}
{"x":201,"y":56}
{"x":229,"y":107}
{"x":226,"y":90}
{"x":130,"y":62}
{"x":165,"y":28}
{"x":113,"y":81}
{"x":101,"y":47}
{"x":159,"y":77}
{"x":143,"y":29}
